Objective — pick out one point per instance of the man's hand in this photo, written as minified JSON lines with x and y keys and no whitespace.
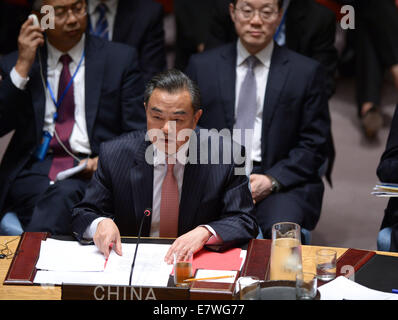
{"x":261,"y":187}
{"x":29,"y":39}
{"x":191,"y":241}
{"x":92,"y":165}
{"x":107,"y":234}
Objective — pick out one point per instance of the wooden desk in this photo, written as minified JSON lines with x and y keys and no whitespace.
{"x":54,"y":293}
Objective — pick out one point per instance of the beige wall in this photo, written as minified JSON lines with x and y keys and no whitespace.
{"x":3,"y":144}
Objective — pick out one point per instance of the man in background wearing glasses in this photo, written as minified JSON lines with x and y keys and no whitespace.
{"x":63,"y":93}
{"x":254,"y":84}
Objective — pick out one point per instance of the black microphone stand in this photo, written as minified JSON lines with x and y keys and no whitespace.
{"x":147,"y":213}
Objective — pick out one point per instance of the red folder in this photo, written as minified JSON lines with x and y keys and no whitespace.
{"x":210,"y":260}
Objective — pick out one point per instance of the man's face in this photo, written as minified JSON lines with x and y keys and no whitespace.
{"x":170,"y":113}
{"x":256,"y":22}
{"x":70,"y":22}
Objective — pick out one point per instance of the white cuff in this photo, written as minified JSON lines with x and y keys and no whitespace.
{"x":17,"y":80}
{"x":92,"y":228}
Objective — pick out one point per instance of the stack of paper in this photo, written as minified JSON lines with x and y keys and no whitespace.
{"x":386,"y":190}
{"x":342,"y":288}
{"x":72,"y":263}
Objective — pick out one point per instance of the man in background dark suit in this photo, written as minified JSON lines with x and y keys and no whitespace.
{"x":291,"y":116}
{"x":138,"y":23}
{"x":104,"y":100}
{"x":310,"y":31}
{"x":200,"y":203}
{"x":387,"y":172}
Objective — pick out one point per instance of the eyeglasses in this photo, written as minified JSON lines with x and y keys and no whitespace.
{"x":78,"y":9}
{"x":248,"y":13}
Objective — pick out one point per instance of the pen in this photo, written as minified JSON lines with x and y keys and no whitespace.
{"x":110,"y":249}
{"x":209,"y":278}
{"x":394,"y":290}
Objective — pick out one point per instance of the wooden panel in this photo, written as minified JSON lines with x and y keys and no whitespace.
{"x":22,"y":270}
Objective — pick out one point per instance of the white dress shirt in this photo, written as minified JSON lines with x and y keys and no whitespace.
{"x":110,"y":14}
{"x":78,"y":140}
{"x":159,"y":173}
{"x":261,"y":72}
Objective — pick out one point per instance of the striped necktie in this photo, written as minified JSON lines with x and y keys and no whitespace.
{"x":101,"y":28}
{"x":64,"y":122}
{"x":169,"y":205}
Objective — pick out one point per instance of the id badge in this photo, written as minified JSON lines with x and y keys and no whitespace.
{"x":42,"y":149}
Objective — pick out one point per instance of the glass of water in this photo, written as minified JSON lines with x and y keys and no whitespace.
{"x":306,"y":286}
{"x":286,"y":260}
{"x":248,"y":288}
{"x":326,"y":264}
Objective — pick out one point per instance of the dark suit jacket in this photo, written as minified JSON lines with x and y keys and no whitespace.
{"x":122,"y":188}
{"x":296,"y":119}
{"x":114,"y":104}
{"x":310,"y":30}
{"x":139,"y":23}
{"x":387,"y":171}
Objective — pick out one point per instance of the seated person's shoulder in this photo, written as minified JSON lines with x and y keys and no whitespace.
{"x":8,"y":61}
{"x":301,"y":62}
{"x":151,"y":5}
{"x":115,"y":50}
{"x":125,"y":141}
{"x":321,"y":12}
{"x":207,"y":55}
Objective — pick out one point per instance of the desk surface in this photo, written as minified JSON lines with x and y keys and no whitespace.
{"x":54,"y":293}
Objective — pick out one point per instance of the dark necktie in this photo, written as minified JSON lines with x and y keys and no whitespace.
{"x":169,"y":205}
{"x":64,"y":122}
{"x":247,"y":103}
{"x":101,"y":28}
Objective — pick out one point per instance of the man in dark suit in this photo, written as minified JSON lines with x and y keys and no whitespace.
{"x":99,"y":97}
{"x":310,"y":30}
{"x":138,"y":23}
{"x":287,"y":110}
{"x":200,"y":202}
{"x":387,"y":172}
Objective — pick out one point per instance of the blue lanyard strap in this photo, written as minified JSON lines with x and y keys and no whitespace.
{"x":59,"y":102}
{"x":278,"y":31}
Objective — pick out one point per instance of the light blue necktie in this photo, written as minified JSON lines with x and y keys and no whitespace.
{"x":247,"y":104}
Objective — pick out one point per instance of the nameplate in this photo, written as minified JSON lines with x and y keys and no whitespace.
{"x":126,"y":293}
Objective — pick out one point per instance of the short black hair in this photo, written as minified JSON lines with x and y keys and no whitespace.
{"x":172,"y":81}
{"x":280,"y":3}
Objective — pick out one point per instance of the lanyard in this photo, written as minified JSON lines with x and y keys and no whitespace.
{"x":278,"y":31}
{"x":59,"y":102}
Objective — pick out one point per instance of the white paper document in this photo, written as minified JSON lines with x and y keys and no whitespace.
{"x":203,"y":273}
{"x":342,"y":288}
{"x":58,"y":255}
{"x":69,"y":262}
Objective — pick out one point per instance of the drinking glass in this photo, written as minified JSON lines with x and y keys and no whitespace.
{"x":249,"y":288}
{"x":326,"y":264}
{"x":306,"y":286}
{"x":182,"y":268}
{"x":286,"y":259}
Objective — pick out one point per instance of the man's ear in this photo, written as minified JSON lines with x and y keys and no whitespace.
{"x":232,"y":11}
{"x":197,"y":116}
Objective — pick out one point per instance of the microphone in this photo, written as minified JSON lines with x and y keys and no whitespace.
{"x":147,"y":213}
